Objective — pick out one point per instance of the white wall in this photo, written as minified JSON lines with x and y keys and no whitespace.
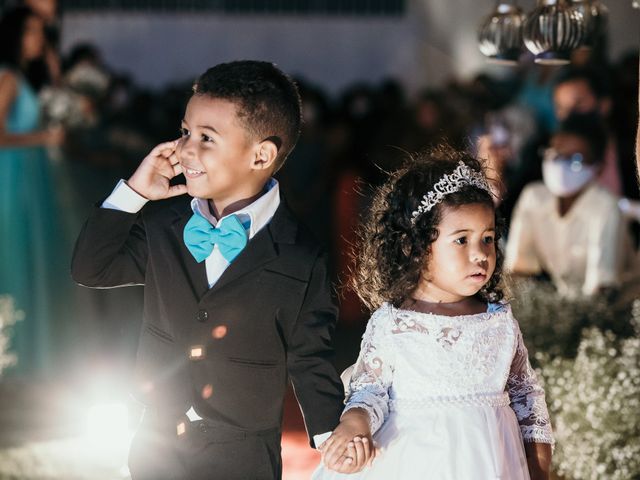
{"x":334,"y":52}
{"x":433,"y":41}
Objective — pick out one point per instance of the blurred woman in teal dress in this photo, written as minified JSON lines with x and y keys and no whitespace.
{"x":32,"y":267}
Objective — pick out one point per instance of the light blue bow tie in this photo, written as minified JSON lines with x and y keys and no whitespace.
{"x":200,"y":237}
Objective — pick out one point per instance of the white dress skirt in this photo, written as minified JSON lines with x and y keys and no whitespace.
{"x":449,"y":398}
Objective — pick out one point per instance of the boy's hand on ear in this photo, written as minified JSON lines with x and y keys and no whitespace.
{"x":151,"y":179}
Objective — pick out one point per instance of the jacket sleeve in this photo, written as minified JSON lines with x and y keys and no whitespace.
{"x":316,"y":383}
{"x":111,"y":250}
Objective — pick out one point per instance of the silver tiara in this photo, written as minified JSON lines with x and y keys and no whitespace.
{"x":451,"y":183}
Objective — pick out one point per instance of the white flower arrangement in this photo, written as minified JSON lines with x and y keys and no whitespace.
{"x":594,"y":401}
{"x":62,"y":106}
{"x":8,"y":317}
{"x":88,"y":79}
{"x":71,"y":104}
{"x":588,"y":350}
{"x":553,"y":323}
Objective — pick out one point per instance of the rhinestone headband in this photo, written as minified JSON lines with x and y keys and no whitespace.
{"x":450,"y":183}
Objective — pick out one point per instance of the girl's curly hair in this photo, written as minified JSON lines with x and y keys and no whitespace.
{"x":392,"y":250}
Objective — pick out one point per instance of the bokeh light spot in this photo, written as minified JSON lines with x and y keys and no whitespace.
{"x":196,"y":352}
{"x":207,"y":391}
{"x":219,"y":332}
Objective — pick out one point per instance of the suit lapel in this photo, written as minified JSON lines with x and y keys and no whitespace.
{"x":196,"y":272}
{"x":261,"y":249}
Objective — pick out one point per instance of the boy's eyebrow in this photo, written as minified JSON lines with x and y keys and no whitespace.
{"x":204,"y":126}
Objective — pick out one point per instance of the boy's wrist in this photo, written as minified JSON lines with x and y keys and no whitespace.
{"x":133,"y":185}
{"x":125,"y":198}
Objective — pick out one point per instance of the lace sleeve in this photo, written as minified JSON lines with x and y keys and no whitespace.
{"x":527,"y":396}
{"x":373,"y":372}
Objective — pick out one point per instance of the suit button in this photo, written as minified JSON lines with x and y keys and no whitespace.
{"x":202,"y":316}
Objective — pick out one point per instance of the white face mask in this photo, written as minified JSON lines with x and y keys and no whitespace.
{"x":566,"y":177}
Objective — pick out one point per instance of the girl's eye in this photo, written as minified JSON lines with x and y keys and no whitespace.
{"x":460,"y":241}
{"x":184,"y":132}
{"x":206,"y":138}
{"x":488,"y":240}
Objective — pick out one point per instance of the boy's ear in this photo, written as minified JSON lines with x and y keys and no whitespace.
{"x":265,"y":156}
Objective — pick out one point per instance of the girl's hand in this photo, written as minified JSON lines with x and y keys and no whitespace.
{"x":358,"y":454}
{"x":151,"y":179}
{"x":350,"y":447}
{"x":53,"y":137}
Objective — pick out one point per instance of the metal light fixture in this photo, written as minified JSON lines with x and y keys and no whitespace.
{"x":500,"y":35}
{"x":595,"y":15}
{"x":552,"y":30}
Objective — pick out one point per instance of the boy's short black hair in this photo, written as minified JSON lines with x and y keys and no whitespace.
{"x":589,"y":127}
{"x":596,"y":81}
{"x":268,"y":101}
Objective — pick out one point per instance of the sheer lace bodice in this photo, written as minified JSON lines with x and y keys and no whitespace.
{"x":412,"y":360}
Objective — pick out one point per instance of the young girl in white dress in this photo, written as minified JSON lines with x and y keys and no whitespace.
{"x":443,"y":385}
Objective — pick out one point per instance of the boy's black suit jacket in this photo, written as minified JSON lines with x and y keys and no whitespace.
{"x":270,"y":314}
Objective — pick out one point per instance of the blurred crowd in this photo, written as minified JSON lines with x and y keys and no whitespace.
{"x":558,"y":143}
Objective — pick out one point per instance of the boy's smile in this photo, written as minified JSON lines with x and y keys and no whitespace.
{"x":190,"y":173}
{"x":217,"y":153}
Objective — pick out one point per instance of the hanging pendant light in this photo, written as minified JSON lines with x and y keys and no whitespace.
{"x":552,"y":30}
{"x":595,"y":15}
{"x":500,"y":35}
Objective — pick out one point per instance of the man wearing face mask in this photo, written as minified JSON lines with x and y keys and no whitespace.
{"x":583,"y":90}
{"x":568,"y":226}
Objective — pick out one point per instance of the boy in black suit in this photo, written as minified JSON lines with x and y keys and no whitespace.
{"x":237,"y":296}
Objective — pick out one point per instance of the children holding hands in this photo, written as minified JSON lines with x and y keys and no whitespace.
{"x":237,"y":300}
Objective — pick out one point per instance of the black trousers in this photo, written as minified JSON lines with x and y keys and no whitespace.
{"x":202,"y":451}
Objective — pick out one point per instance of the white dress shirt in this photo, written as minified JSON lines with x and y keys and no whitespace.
{"x":587,"y":248}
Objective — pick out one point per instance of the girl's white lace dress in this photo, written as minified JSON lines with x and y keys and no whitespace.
{"x":449,"y":398}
